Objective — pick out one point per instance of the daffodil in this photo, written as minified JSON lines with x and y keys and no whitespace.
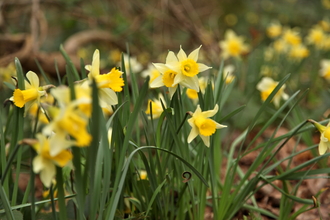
{"x":324,"y":144}
{"x":31,"y":94}
{"x":192,"y":94}
{"x":108,"y":83}
{"x":298,"y":52}
{"x":156,"y":107}
{"x":266,"y":87}
{"x":202,"y":125}
{"x":45,"y":163}
{"x":83,"y":99}
{"x":233,"y":45}
{"x":325,"y":69}
{"x":152,"y":72}
{"x":317,"y":37}
{"x":228,"y":73}
{"x":180,"y":69}
{"x":274,"y":29}
{"x":291,"y":36}
{"x":68,"y":121}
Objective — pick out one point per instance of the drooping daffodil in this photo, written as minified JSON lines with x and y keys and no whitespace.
{"x":31,"y":94}
{"x":202,"y":125}
{"x":324,"y":144}
{"x":266,"y":87}
{"x":108,"y":83}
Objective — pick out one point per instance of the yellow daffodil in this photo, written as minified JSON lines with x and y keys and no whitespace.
{"x":202,"y":125}
{"x":30,"y":94}
{"x":298,"y":52}
{"x":156,"y":107}
{"x":266,"y":87}
{"x":69,"y":121}
{"x":83,"y":98}
{"x":291,"y":36}
{"x":44,"y":163}
{"x":233,"y":45}
{"x":324,"y":144}
{"x":180,"y":69}
{"x":274,"y":29}
{"x":325,"y":69}
{"x":143,"y":175}
{"x":228,"y":73}
{"x":152,"y":72}
{"x":108,"y":83}
{"x":281,"y":46}
{"x":316,"y":36}
{"x":192,"y":94}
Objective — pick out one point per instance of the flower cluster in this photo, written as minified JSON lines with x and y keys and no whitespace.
{"x":179,"y":69}
{"x":66,"y":124}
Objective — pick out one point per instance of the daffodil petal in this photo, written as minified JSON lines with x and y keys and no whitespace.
{"x":48,"y":173}
{"x":171,"y":58}
{"x":191,"y":82}
{"x":323,"y":147}
{"x":202,"y":67}
{"x":182,"y":55}
{"x":33,"y":78}
{"x":158,"y":82}
{"x":206,"y":140}
{"x":194,"y":55}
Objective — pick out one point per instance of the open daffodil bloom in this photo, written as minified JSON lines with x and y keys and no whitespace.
{"x":202,"y":125}
{"x":30,"y":95}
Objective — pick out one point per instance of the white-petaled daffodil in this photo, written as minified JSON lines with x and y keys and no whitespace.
{"x":266,"y":87}
{"x":44,"y":163}
{"x":180,"y":69}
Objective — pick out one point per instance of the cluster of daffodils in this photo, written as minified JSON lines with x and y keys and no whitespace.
{"x":183,"y":70}
{"x":288,"y":41}
{"x":66,"y":124}
{"x":179,"y":69}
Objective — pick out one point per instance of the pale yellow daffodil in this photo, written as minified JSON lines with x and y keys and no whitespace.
{"x":317,"y":37}
{"x":152,"y":72}
{"x":156,"y":107}
{"x":274,"y":29}
{"x":325,"y":69}
{"x":291,"y":36}
{"x":266,"y":87}
{"x":228,"y":75}
{"x":44,"y":163}
{"x":180,"y":69}
{"x":233,"y":45}
{"x":324,"y":144}
{"x":202,"y":125}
